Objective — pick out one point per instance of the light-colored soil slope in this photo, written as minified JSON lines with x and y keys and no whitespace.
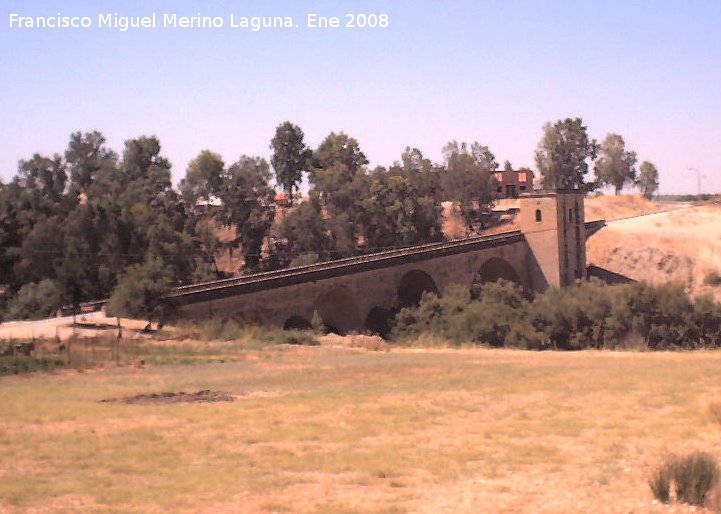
{"x":683,"y":245}
{"x":615,"y":207}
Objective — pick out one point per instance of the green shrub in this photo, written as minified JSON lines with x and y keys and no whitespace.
{"x":34,"y":301}
{"x":140,"y":291}
{"x":585,"y":315}
{"x":692,"y":476}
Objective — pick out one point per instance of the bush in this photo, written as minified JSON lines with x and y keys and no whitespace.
{"x":660,"y":482}
{"x":140,"y":291}
{"x":693,"y":477}
{"x":712,"y":278}
{"x":586,"y":315}
{"x":34,"y":301}
{"x":496,"y":317}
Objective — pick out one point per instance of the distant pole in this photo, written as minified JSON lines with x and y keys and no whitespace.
{"x":698,"y":181}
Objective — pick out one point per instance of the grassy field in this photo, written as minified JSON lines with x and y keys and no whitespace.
{"x":331,"y":430}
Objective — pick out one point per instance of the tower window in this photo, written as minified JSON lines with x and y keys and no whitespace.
{"x":539,"y":216}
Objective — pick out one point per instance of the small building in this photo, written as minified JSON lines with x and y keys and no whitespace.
{"x":512,"y":183}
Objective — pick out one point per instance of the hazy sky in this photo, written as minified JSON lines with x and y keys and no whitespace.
{"x":491,"y":71}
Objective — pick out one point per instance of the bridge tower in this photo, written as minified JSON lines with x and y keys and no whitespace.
{"x":553,"y":224}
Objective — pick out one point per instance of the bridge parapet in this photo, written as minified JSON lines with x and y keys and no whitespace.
{"x":323,"y":270}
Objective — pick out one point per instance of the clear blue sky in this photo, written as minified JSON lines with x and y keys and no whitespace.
{"x":491,"y":71}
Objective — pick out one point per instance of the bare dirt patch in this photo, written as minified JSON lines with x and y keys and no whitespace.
{"x":205,"y":396}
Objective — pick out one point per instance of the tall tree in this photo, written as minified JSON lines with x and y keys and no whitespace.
{"x":44,"y":175}
{"x":249,"y":204}
{"x":647,"y":179}
{"x":423,"y":174}
{"x":291,"y":157}
{"x":339,"y":150}
{"x":616,"y":165}
{"x":469,"y":179}
{"x":339,"y":181}
{"x":140,"y":155}
{"x":40,"y":251}
{"x":202,"y":178}
{"x":394,"y":214}
{"x":563,"y":153}
{"x":86,"y":156}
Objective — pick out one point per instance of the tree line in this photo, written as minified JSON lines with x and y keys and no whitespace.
{"x":92,"y":223}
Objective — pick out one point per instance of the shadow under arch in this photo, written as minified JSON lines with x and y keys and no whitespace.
{"x":296,"y":322}
{"x":379,"y":321}
{"x":412,"y":286}
{"x":339,"y":310}
{"x":492,"y":270}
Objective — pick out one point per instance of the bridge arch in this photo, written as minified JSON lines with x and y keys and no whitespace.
{"x":412,"y":286}
{"x":495,"y":269}
{"x":339,"y":310}
{"x":296,"y":322}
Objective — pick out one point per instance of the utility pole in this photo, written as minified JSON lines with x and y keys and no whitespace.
{"x":698,"y":181}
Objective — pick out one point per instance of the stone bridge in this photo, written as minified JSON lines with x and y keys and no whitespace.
{"x":360,"y":292}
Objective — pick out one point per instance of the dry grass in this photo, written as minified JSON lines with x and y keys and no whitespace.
{"x":329,"y":430}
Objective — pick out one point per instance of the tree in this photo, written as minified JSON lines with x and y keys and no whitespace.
{"x":73,"y":281}
{"x":249,"y":204}
{"x":339,"y":149}
{"x":562,"y":154}
{"x":34,"y":300}
{"x":423,"y":174}
{"x":40,"y":251}
{"x":394,"y":214}
{"x":336,"y":163}
{"x":77,"y":272}
{"x":339,"y":183}
{"x":291,"y":157}
{"x":202,"y":178}
{"x":140,"y":155}
{"x":303,"y":231}
{"x":85,"y":157}
{"x":146,"y":174}
{"x":469,"y":178}
{"x":140,"y":291}
{"x":43,"y":174}
{"x":647,"y":179}
{"x":616,"y":165}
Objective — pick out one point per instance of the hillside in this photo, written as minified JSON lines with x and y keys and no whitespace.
{"x":682,"y":245}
